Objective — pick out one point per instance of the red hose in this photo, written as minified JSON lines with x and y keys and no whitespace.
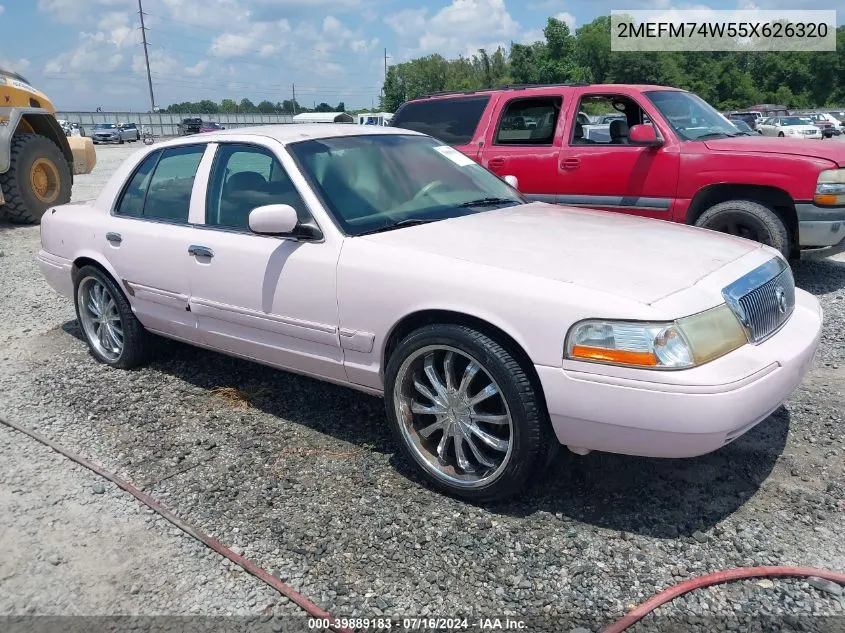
{"x":716,"y":578}
{"x":247,"y":565}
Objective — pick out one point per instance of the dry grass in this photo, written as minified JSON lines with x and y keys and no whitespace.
{"x":238,"y":398}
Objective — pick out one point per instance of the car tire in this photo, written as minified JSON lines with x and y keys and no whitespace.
{"x":748,"y":219}
{"x":121,"y":341}
{"x":505,"y":437}
{"x":781,"y":134}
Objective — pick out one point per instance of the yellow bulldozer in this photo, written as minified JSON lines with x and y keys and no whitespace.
{"x":37,"y":159}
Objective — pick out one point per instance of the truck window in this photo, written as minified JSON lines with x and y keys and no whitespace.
{"x":529,"y":121}
{"x":616,"y":113}
{"x":452,"y":121}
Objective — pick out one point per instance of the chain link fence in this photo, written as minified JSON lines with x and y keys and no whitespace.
{"x":165,"y":124}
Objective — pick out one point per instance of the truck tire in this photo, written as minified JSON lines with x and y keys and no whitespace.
{"x":38,"y":178}
{"x":748,"y":219}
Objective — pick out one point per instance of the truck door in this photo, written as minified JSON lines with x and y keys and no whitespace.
{"x":524,"y":140}
{"x":599,"y":168}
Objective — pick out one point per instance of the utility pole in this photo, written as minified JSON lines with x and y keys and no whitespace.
{"x":385,"y":77}
{"x":293,"y":86}
{"x":146,"y":57}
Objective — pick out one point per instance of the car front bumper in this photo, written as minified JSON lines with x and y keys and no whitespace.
{"x":595,"y":411}
{"x":821,"y":230}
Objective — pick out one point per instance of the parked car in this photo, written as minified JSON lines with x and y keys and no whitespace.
{"x":381,"y":259}
{"x":673,"y":158}
{"x":210,"y":126}
{"x":793,"y":126}
{"x":115,"y":133}
{"x":828,"y":125}
{"x":751,"y":118}
{"x":766,"y":110}
{"x":190,"y":125}
{"x":71,"y":129}
{"x":743,"y":126}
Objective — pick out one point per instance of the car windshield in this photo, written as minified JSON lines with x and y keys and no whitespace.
{"x":795,"y":120}
{"x":377,"y":182}
{"x":690,"y":116}
{"x":105,"y":126}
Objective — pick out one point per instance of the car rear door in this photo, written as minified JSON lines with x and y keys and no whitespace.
{"x":524,"y":140}
{"x":608,"y":172}
{"x":148,"y":235}
{"x":268,"y":298}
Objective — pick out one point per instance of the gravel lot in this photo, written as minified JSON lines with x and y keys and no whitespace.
{"x":304,"y":480}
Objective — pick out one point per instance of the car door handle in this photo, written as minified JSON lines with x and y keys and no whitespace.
{"x":571,"y":163}
{"x":200,"y":251}
{"x":496,"y":163}
{"x":114,"y":237}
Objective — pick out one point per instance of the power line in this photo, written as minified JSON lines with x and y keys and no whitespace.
{"x":146,"y":57}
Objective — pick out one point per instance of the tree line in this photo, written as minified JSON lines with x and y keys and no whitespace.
{"x":245,"y":106}
{"x":728,"y":80}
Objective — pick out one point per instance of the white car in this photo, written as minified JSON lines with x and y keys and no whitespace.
{"x":794,"y":126}
{"x":495,"y":328}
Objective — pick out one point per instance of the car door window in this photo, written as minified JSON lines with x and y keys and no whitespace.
{"x":529,"y":122}
{"x":131,"y":203}
{"x":169,"y":194}
{"x":618,"y":113}
{"x":243,"y":178}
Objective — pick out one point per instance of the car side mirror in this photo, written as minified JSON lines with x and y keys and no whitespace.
{"x":512,"y":181}
{"x":644,"y":134}
{"x":273,"y":219}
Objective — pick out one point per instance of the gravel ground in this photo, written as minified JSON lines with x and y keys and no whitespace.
{"x":303,"y":478}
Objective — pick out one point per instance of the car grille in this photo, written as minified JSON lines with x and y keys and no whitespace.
{"x":763,"y":300}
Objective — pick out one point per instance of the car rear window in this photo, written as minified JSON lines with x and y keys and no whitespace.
{"x":453,"y":121}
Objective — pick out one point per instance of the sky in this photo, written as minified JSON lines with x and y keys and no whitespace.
{"x":87,"y":53}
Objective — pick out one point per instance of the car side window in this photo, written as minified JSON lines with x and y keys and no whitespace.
{"x":245,"y":177}
{"x":619,"y":113}
{"x":131,"y":203}
{"x":529,"y":122}
{"x":169,"y":193}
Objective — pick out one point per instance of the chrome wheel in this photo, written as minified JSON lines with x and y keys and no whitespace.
{"x":453,"y":416}
{"x":100,"y":318}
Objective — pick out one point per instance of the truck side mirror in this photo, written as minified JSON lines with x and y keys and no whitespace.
{"x":644,"y":134}
{"x":512,"y":181}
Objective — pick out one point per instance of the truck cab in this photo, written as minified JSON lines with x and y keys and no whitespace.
{"x":666,"y":154}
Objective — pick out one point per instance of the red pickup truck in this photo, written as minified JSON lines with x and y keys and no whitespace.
{"x":665,"y":154}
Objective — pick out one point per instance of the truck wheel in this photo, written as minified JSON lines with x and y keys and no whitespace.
{"x":38,"y":178}
{"x":750,"y":220}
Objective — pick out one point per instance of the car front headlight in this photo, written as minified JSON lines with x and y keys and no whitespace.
{"x":830,"y":188}
{"x":679,"y":344}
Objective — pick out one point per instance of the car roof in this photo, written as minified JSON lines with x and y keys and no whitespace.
{"x":544,"y":90}
{"x":291,"y":132}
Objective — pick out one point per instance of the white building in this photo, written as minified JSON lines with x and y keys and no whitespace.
{"x":323,"y":117}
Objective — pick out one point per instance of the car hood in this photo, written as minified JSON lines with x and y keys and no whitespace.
{"x":775,"y":145}
{"x":637,"y":258}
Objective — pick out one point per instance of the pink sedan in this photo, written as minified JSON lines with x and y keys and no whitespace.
{"x":381,"y":259}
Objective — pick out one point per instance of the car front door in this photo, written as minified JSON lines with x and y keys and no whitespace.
{"x":525,"y":142}
{"x":609,"y":173}
{"x":768,"y":127}
{"x":268,"y":298}
{"x":148,"y":235}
